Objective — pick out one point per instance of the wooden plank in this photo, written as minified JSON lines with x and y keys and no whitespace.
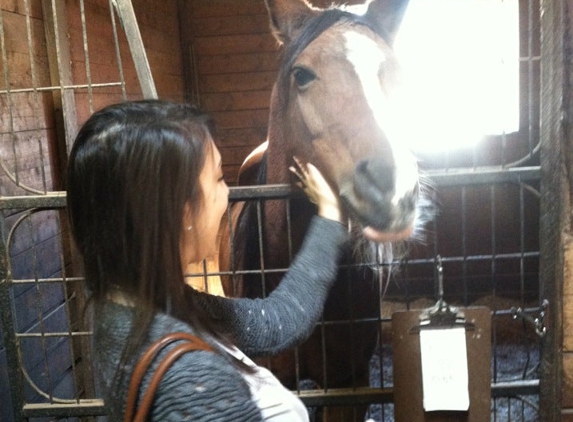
{"x":165,"y":61}
{"x":18,"y":6}
{"x":100,"y":49}
{"x":234,"y":82}
{"x":568,"y":300}
{"x":56,"y":30}
{"x":235,"y":44}
{"x":20,"y":73}
{"x":129,"y":22}
{"x":15,"y":33}
{"x":231,"y":25}
{"x":238,"y":63}
{"x":25,"y":177}
{"x":23,"y":151}
{"x":235,"y":155}
{"x":567,"y":388}
{"x":241,"y":118}
{"x":162,"y":16}
{"x":241,"y":136}
{"x":29,"y":112}
{"x":227,"y":101}
{"x":210,"y":8}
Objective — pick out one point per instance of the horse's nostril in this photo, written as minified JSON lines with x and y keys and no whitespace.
{"x":376,"y":173}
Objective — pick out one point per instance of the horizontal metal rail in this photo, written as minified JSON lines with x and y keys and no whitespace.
{"x":453,"y":177}
{"x":370,"y":395}
{"x":312,"y":398}
{"x":92,"y":407}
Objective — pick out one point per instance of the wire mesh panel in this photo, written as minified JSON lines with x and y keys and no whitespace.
{"x":59,"y":61}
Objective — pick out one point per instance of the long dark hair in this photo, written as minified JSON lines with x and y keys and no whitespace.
{"x":131,"y":170}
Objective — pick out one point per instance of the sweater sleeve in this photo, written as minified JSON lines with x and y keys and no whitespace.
{"x":288,"y":315}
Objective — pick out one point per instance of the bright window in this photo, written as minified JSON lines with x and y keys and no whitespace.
{"x":460,"y":61}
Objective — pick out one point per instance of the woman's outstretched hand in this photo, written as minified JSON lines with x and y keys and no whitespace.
{"x":318,"y":190}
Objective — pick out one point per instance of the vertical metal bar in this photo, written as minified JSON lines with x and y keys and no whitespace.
{"x":117,"y":51}
{"x":129,"y":22}
{"x":34,"y":265}
{"x":530,"y":84}
{"x":493,"y":278}
{"x":464,"y":246}
{"x":11,"y":342}
{"x":31,"y":56}
{"x":261,"y":246}
{"x":86,"y":55}
{"x":69,"y":322}
{"x":522,"y":241}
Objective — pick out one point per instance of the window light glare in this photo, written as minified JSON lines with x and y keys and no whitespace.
{"x":460,"y":71}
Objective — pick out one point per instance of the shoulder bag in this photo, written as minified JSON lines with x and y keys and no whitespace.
{"x":187,"y":343}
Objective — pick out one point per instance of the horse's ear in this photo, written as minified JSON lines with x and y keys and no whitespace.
{"x":288,"y":17}
{"x":387,"y":16}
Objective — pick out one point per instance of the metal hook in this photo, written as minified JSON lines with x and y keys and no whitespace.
{"x":538,"y":323}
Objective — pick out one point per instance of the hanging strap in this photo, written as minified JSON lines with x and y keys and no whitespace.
{"x":190,"y":343}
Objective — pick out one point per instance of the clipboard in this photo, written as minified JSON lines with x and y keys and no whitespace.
{"x":407,"y":365}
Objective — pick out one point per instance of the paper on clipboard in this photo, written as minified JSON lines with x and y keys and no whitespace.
{"x":444,"y":369}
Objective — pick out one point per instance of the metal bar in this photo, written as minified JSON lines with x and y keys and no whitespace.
{"x":59,"y":87}
{"x":117,"y":52}
{"x":55,"y":334}
{"x":483,"y":176}
{"x":93,"y":407}
{"x":451,"y":178}
{"x":369,"y":395}
{"x":10,"y":340}
{"x":338,"y":397}
{"x":127,"y":18}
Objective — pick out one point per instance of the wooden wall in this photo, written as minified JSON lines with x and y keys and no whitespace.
{"x":235,"y":64}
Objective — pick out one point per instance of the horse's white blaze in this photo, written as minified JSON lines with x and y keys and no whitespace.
{"x":368,"y":59}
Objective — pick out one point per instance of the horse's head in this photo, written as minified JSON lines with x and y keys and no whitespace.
{"x":332,"y":106}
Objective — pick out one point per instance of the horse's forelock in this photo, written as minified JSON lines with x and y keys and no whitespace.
{"x":313,"y":28}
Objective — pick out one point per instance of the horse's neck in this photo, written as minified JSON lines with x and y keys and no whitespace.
{"x":279,"y":157}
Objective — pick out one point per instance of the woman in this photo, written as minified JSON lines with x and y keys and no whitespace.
{"x":145,"y":197}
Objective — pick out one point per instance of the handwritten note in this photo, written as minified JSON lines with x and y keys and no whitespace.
{"x":444,"y":369}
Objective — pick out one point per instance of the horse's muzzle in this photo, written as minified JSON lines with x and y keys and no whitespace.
{"x":383,"y":204}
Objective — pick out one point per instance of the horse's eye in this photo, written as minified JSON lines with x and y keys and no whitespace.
{"x":303,"y":76}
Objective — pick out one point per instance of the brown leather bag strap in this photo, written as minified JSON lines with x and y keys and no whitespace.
{"x":190,"y":343}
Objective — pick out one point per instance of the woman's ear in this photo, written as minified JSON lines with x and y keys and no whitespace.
{"x":187,"y":216}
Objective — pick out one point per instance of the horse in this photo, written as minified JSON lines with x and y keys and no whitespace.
{"x":331,"y":106}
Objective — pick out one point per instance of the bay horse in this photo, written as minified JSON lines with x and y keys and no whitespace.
{"x":331,"y":106}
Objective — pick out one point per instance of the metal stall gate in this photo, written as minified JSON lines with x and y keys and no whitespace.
{"x":486,"y":233}
{"x":49,"y":83}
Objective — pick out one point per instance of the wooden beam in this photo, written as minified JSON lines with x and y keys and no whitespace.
{"x":128,"y":21}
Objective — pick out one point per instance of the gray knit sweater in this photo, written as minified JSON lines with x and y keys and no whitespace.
{"x":206,"y":386}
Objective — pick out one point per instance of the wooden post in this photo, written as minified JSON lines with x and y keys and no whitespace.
{"x":556,"y":248}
